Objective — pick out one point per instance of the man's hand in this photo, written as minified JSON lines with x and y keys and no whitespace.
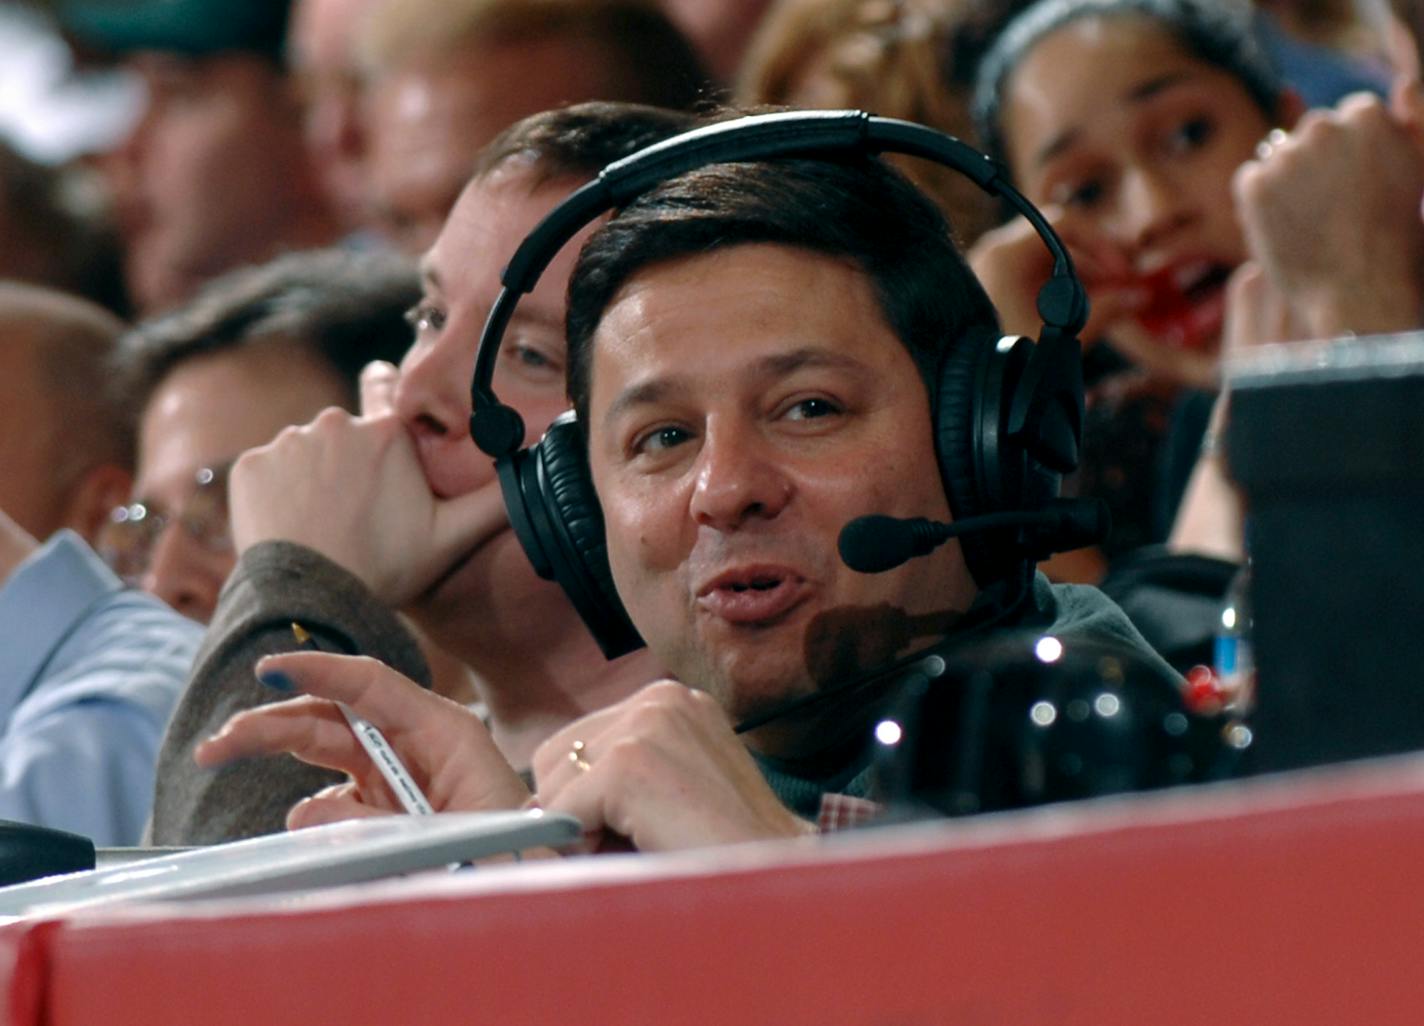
{"x":444,"y":745}
{"x":1331,"y":215}
{"x":663,"y":769}
{"x":15,"y":546}
{"x":352,"y":489}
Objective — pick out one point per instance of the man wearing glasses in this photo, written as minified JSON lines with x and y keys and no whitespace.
{"x":256,"y":351}
{"x":89,"y":670}
{"x":135,"y":529}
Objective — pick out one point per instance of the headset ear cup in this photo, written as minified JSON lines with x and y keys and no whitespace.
{"x":510,"y":469}
{"x":1029,"y":480}
{"x":955,"y":412}
{"x":982,"y":471}
{"x":557,"y":483}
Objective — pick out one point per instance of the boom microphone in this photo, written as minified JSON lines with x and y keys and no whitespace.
{"x":876,"y":543}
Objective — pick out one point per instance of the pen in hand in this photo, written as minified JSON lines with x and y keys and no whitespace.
{"x":389,"y":764}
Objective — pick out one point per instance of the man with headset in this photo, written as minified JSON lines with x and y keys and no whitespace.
{"x":759,"y":353}
{"x":344,"y":520}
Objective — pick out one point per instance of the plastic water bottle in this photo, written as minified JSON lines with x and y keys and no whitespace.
{"x":1234,"y":662}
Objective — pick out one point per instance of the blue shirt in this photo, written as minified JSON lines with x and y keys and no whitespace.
{"x":1323,"y":76}
{"x":89,"y":673}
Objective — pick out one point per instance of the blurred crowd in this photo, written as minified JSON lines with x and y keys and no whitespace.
{"x":290,"y":250}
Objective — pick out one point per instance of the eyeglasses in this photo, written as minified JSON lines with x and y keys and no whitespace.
{"x":127,"y":541}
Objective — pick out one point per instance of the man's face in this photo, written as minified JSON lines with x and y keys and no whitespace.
{"x":460,"y":280}
{"x":202,"y":416}
{"x":427,"y":122}
{"x":744,"y":406}
{"x":206,"y":180}
{"x":321,"y":44}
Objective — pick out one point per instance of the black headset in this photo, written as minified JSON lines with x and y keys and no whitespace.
{"x":1008,"y":413}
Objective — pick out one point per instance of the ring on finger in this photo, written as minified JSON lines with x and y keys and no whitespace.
{"x":1270,"y":144}
{"x":576,"y":756}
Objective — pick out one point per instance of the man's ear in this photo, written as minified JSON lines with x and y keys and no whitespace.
{"x":96,"y":493}
{"x":1289,"y":108}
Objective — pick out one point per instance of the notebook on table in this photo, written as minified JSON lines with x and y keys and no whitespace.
{"x":323,"y":856}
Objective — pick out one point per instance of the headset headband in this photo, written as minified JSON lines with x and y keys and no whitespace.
{"x":498,"y":429}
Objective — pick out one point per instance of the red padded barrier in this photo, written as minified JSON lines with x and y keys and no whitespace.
{"x":1293,"y":902}
{"x":24,"y":978}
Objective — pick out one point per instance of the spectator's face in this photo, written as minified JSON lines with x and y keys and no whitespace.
{"x":212,"y":175}
{"x":427,"y":123}
{"x":460,"y":280}
{"x":203,"y":415}
{"x":744,"y":406}
{"x":322,"y":45}
{"x":1137,"y":140}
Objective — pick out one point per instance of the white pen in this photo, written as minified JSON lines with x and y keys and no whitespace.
{"x":407,"y":792}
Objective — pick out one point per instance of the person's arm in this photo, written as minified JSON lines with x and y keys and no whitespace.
{"x":89,"y":673}
{"x":273,"y":585}
{"x":444,"y":745}
{"x":661,"y":769}
{"x":82,"y":769}
{"x":1210,"y":519}
{"x":352,"y":489}
{"x":337,"y":527}
{"x":1331,"y":214}
{"x":79,"y":750}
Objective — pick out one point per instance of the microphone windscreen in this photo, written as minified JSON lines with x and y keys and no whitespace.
{"x":873,"y":544}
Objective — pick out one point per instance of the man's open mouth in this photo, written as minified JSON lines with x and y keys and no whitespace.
{"x":752,"y":595}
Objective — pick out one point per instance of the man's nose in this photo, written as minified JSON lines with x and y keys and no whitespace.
{"x":740,"y":478}
{"x":183,"y":576}
{"x":432,"y":397}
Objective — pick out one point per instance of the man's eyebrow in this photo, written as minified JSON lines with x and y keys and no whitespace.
{"x":644,"y":394}
{"x":1139,"y":93}
{"x":780,"y":364}
{"x":777,"y":365}
{"x":539,"y":318}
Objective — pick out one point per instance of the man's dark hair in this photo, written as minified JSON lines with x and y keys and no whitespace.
{"x":346,"y":308}
{"x":859,"y":210}
{"x":578,"y":141}
{"x":1215,"y":31}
